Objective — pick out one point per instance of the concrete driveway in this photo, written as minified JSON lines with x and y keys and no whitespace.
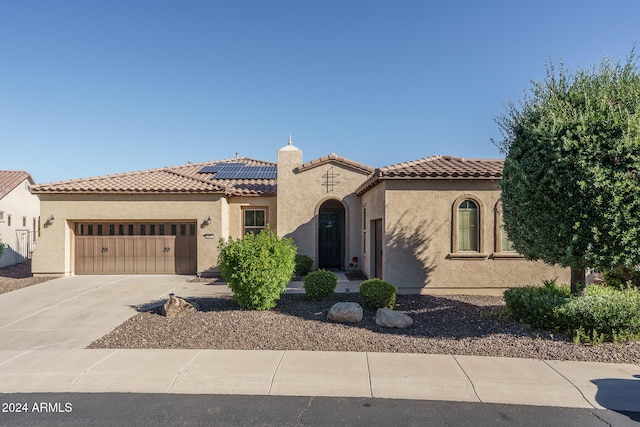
{"x":71,"y":312}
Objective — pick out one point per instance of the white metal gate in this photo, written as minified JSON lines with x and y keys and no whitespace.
{"x":25,"y":243}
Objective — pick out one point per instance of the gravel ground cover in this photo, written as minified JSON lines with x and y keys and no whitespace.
{"x":454,"y":324}
{"x":467,"y":325}
{"x":18,"y":276}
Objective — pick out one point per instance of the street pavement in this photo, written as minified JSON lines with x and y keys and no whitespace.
{"x":45,"y":328}
{"x":156,"y":410}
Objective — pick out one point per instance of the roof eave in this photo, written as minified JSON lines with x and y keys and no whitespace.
{"x":380,"y":176}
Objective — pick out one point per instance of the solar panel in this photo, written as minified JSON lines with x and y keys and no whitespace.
{"x":240,"y":171}
{"x":207,"y":169}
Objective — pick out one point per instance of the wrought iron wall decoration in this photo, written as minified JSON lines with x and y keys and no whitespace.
{"x":330,"y":179}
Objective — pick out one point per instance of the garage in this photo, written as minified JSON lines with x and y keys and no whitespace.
{"x":135,"y":248}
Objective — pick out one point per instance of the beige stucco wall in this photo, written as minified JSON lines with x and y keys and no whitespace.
{"x":18,"y":203}
{"x":417,"y":245}
{"x":236,"y":215}
{"x":55,"y":254}
{"x":300,"y":195}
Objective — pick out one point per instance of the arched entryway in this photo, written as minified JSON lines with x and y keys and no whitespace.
{"x":331,"y":232}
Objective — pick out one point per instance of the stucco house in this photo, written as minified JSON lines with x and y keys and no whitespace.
{"x":427,"y":226}
{"x":19,"y":217}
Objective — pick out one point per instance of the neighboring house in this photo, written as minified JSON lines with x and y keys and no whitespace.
{"x":19,"y":216}
{"x":432,"y":225}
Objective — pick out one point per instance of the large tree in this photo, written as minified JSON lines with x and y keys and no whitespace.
{"x":571,"y":180}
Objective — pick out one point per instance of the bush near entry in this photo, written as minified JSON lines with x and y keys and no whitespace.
{"x":303,"y":264}
{"x":601,"y":314}
{"x":375,"y":293}
{"x":257,"y":268}
{"x":319,"y":284}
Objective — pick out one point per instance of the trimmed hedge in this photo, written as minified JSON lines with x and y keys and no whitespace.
{"x":319,"y":284}
{"x":602,"y":314}
{"x":375,"y":293}
{"x":303,"y":264}
{"x":257,"y":268}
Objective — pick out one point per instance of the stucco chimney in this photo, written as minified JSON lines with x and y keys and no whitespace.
{"x":289,"y":158}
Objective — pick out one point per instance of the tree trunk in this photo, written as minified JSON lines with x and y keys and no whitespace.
{"x":578,"y":280}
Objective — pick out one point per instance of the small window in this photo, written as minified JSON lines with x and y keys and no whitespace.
{"x":121,"y":229}
{"x":99,"y":229}
{"x":89,"y":229}
{"x":112,"y":229}
{"x":254,"y":220}
{"x":9,"y":220}
{"x":183,"y":229}
{"x":130,"y":229}
{"x":161,"y":229}
{"x":468,"y":226}
{"x":24,"y":221}
{"x":152,"y":230}
{"x":174,"y":229}
{"x":143,"y":229}
{"x":1,"y":216}
{"x":192,"y":229}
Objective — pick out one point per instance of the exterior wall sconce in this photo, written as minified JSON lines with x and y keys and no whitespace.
{"x":205,"y":222}
{"x":49,"y":221}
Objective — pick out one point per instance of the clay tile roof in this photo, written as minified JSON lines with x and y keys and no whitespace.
{"x":332,"y":157}
{"x":11,"y":179}
{"x":177,"y":179}
{"x":436,"y":167}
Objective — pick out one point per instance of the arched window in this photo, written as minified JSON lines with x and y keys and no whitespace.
{"x":503,"y":243}
{"x":468,"y":230}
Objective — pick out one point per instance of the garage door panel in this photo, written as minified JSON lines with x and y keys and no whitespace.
{"x":169,"y":245}
{"x":135,"y":254}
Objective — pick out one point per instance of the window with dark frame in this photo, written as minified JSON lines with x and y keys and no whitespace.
{"x":468,"y":238}
{"x":254,"y":220}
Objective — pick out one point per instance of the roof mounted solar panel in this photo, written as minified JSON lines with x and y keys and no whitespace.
{"x":240,"y":171}
{"x":207,"y":169}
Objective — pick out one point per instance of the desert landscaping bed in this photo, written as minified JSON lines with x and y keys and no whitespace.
{"x":17,"y":276}
{"x":459,"y":324}
{"x":464,"y":325}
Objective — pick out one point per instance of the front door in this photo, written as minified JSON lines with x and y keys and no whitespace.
{"x":330,"y":239}
{"x":377,"y":248}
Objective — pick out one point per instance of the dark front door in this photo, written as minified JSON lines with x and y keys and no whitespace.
{"x":330,"y":239}
{"x":377,"y":248}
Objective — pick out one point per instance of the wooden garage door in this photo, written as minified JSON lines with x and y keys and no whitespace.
{"x":135,"y":248}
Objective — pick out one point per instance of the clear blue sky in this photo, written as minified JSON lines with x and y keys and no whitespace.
{"x":93,"y":87}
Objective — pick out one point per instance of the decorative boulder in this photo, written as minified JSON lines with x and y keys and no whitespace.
{"x":392,"y":319}
{"x":176,"y":306}
{"x":346,"y":312}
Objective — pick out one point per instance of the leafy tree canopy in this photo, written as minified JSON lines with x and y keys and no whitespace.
{"x":571,"y":180}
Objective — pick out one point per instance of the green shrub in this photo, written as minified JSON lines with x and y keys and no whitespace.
{"x":601,"y":314}
{"x":621,"y":278}
{"x":533,"y":305}
{"x":303,"y":264}
{"x":1,"y":248}
{"x":608,"y":313}
{"x":375,"y":293}
{"x":319,"y":284}
{"x":257,"y":268}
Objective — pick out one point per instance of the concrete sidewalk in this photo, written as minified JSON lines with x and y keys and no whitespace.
{"x":45,"y":328}
{"x":345,"y":374}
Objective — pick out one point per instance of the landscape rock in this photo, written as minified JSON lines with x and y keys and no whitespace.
{"x":176,"y":306}
{"x":350,"y":312}
{"x":392,"y":319}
